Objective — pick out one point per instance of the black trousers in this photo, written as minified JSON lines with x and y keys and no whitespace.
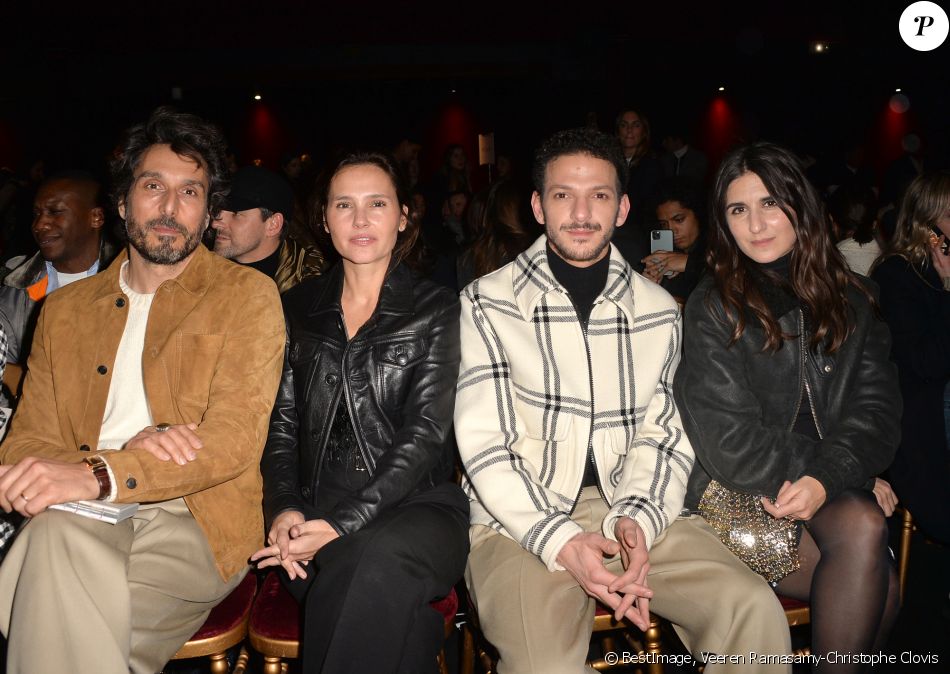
{"x":366,"y":609}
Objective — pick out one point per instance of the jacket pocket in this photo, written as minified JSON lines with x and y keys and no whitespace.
{"x":199,"y":359}
{"x":401,"y":353}
{"x":396,"y":361}
{"x":554,"y":426}
{"x":615,"y":438}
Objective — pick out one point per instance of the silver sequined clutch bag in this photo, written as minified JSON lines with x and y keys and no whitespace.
{"x":766,"y":545}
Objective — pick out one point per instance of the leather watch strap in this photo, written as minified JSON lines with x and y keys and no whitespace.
{"x":99,"y":468}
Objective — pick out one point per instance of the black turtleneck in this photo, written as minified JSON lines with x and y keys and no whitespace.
{"x":781,"y":299}
{"x":583,"y":284}
{"x":267,"y":266}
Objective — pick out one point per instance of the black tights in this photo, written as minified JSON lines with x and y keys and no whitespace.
{"x":847,"y":576}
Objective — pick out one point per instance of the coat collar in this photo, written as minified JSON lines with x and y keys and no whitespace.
{"x":33,"y":269}
{"x":395,"y":297}
{"x":532,"y":279}
{"x":195,"y":279}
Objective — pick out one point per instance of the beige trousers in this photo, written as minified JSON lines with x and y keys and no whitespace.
{"x":83,"y":596}
{"x":541,"y":621}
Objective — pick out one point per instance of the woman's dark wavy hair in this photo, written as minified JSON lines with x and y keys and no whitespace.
{"x":503,"y":234}
{"x":188,"y":136}
{"x":819,"y":276}
{"x":408,"y":249}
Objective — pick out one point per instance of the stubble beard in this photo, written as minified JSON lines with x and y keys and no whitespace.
{"x":580,"y":254}
{"x":164,"y":253}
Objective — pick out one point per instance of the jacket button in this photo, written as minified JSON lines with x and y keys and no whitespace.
{"x":131,"y":483}
{"x":402,"y":359}
{"x":102,"y":369}
{"x":827,"y":368}
{"x":83,"y":448}
{"x":330,"y":379}
{"x":120,"y":302}
{"x":306,"y":493}
{"x":315,"y":435}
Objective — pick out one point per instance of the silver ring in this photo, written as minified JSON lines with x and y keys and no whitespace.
{"x":25,"y":499}
{"x":161,"y":428}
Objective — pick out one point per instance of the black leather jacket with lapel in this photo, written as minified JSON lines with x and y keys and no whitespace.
{"x":397,"y":375}
{"x":739,"y":403}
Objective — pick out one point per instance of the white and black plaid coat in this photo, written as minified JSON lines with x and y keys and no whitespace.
{"x":532,"y":395}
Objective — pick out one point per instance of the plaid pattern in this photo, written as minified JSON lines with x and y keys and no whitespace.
{"x":528,"y":404}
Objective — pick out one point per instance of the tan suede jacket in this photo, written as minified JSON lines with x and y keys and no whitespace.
{"x":213,"y":353}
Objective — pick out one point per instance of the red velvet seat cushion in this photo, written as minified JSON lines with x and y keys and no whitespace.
{"x":229,"y":613}
{"x":789,"y":603}
{"x":276,"y":615}
{"x":448,"y":606}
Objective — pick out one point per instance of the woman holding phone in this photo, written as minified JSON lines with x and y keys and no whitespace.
{"x":364,"y":522}
{"x":788,"y":395}
{"x":680,"y":208}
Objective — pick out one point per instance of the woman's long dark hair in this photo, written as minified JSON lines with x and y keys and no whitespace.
{"x":502,"y":236}
{"x":818,"y":274}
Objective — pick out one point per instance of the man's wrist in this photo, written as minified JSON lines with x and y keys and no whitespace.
{"x":100,"y":471}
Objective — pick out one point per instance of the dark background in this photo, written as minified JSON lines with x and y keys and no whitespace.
{"x":360,"y":73}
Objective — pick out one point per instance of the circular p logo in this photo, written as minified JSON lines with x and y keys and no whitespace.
{"x":924,"y":26}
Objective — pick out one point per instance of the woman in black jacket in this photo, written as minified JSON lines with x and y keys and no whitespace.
{"x":914,"y":276}
{"x":362,"y":516}
{"x":787,"y":392}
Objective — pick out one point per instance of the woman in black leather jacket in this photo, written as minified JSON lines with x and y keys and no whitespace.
{"x":786,"y":392}
{"x":362,"y":516}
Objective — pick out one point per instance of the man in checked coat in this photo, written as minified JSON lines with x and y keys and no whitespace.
{"x":575,"y":457}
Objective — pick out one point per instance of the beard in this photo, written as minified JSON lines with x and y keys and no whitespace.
{"x":165,"y":252}
{"x":579,"y":252}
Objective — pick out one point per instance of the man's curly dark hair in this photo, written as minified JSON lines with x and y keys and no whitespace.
{"x":188,"y":136}
{"x":579,"y":141}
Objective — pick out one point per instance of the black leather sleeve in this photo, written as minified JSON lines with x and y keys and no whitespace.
{"x":280,"y":463}
{"x":722,"y":415}
{"x":863,"y":439}
{"x":422,"y":440}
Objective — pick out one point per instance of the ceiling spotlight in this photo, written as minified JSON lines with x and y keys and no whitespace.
{"x":820,"y":47}
{"x":257,"y":97}
{"x":897,"y":90}
{"x":722,"y":88}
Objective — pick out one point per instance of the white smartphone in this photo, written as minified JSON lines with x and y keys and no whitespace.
{"x":661,"y":239}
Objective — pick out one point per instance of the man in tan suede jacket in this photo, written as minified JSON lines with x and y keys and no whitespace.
{"x":151,"y":383}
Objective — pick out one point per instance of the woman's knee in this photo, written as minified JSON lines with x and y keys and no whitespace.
{"x":854,"y":519}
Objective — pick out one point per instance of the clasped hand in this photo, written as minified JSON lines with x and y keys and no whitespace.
{"x":293,"y":541}
{"x":626,"y":594}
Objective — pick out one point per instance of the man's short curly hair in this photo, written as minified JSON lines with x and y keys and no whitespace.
{"x":188,"y":136}
{"x":579,"y":141}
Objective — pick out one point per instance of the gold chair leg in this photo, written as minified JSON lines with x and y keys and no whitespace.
{"x":903,"y":554}
{"x":241,"y":665}
{"x":219,"y":663}
{"x":653,"y":643}
{"x":443,"y":666}
{"x":467,"y":665}
{"x":272,"y":665}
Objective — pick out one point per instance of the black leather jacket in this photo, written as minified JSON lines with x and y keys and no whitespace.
{"x":739,"y":403}
{"x":398,"y":377}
